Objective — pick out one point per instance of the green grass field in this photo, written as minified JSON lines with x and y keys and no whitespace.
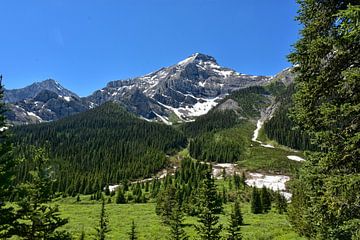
{"x":84,"y":216}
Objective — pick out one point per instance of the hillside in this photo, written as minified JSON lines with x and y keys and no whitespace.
{"x":101,"y":146}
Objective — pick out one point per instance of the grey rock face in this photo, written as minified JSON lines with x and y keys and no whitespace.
{"x":182,"y":91}
{"x":16,"y":95}
{"x":186,"y":89}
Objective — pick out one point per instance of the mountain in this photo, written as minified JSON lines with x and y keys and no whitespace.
{"x":182,"y":91}
{"x":29,"y":92}
{"x":177,"y":93}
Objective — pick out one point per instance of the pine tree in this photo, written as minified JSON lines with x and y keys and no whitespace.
{"x":237,"y":213}
{"x":120,"y":196}
{"x":7,"y":164}
{"x":103,"y":228}
{"x":265,"y":199}
{"x":209,"y":227}
{"x":107,"y":190}
{"x":280,"y":202}
{"x":176,"y":229}
{"x":256,"y":206}
{"x":326,"y":107}
{"x":133,"y":234}
{"x":233,"y":230}
{"x":165,"y":204}
{"x":38,"y":220}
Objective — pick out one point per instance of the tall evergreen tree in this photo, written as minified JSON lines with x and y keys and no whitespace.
{"x":133,"y":233}
{"x":103,"y":228}
{"x":176,"y":228}
{"x":38,"y":220}
{"x":120,"y":196}
{"x":233,"y":230}
{"x":280,"y":203}
{"x":265,"y":199}
{"x":327,"y":107}
{"x":256,"y":206}
{"x":7,"y":163}
{"x":165,"y":204}
{"x":210,"y":204}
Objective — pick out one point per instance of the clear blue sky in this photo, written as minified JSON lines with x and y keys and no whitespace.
{"x":86,"y":43}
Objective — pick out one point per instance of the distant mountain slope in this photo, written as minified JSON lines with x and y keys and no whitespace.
{"x":100,"y":146}
{"x":34,"y":89}
{"x":180,"y":92}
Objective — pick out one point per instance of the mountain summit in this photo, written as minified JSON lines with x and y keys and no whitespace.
{"x":179,"y":92}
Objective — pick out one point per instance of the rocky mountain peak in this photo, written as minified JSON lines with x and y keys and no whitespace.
{"x":198,"y":58}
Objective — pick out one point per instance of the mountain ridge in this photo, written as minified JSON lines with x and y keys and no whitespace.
{"x":178,"y":93}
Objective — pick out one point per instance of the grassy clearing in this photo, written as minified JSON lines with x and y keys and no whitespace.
{"x":83,"y":216}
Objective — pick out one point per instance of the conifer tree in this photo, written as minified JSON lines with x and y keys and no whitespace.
{"x":176,"y":229}
{"x":103,"y":228}
{"x":209,"y":227}
{"x":256,"y":206}
{"x":7,"y":163}
{"x":265,"y":199}
{"x":326,"y":107}
{"x":133,"y":234}
{"x":38,"y":220}
{"x":281,"y":203}
{"x":120,"y":196}
{"x":233,"y":230}
{"x":165,"y":204}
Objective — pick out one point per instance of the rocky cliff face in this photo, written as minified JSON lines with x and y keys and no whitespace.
{"x":180,"y":92}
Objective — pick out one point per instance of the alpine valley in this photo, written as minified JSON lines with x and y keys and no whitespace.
{"x":137,"y":136}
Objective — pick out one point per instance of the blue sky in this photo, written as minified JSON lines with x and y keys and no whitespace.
{"x":85,"y":44}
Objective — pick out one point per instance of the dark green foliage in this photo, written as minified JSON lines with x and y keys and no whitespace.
{"x":165,"y":204}
{"x":280,"y":203}
{"x":256,"y":206}
{"x":38,"y":220}
{"x":120,"y":196}
{"x":265,"y":199}
{"x":209,"y":228}
{"x":100,"y":146}
{"x":7,"y":163}
{"x":212,"y":138}
{"x":103,"y":228}
{"x":238,"y":218}
{"x":133,"y":233}
{"x":326,"y":107}
{"x":214,"y":120}
{"x":216,"y":148}
{"x":78,"y":198}
{"x":233,"y":230}
{"x":282,"y":129}
{"x":176,"y":225}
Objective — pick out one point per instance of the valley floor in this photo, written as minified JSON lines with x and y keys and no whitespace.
{"x":84,"y":216}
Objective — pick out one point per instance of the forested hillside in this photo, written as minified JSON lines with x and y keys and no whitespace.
{"x":281,"y":128}
{"x":223,"y":134}
{"x":102,"y":146}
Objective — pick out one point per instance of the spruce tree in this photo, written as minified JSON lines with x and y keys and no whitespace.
{"x":233,"y":230}
{"x":209,"y":227}
{"x":265,"y":199}
{"x":326,"y":107}
{"x":133,"y":234}
{"x":256,"y":206}
{"x":280,"y":203}
{"x":120,"y":196}
{"x":38,"y":220}
{"x":103,"y":228}
{"x":165,"y":204}
{"x":176,"y":225}
{"x":7,"y":164}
